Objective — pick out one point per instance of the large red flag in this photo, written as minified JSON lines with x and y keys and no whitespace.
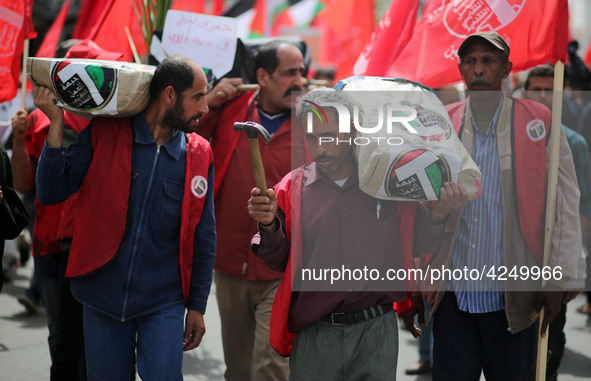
{"x":110,"y":34}
{"x":92,"y":13}
{"x":536,"y":31}
{"x":104,"y":22}
{"x":350,"y":24}
{"x":387,"y":41}
{"x":15,"y":26}
{"x":52,"y":37}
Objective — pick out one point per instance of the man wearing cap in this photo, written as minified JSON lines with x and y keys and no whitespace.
{"x":484,"y":324}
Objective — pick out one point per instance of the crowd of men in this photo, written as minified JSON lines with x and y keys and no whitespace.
{"x":137,"y":216}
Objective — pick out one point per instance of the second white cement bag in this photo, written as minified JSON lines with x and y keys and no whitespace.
{"x":405,"y":144}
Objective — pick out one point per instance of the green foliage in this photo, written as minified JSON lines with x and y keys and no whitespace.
{"x":151,"y":15}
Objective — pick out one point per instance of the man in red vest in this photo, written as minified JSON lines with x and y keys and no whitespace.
{"x":316,"y":219}
{"x":245,"y":286}
{"x":489,"y":322}
{"x":50,"y":248}
{"x":144,"y":245}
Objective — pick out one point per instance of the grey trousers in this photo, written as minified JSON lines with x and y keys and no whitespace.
{"x":363,"y":351}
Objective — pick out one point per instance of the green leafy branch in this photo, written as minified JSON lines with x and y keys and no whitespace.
{"x":151,"y":15}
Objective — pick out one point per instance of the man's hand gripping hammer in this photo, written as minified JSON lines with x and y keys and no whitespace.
{"x":253,"y":131}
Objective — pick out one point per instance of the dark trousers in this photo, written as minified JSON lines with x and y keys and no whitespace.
{"x":465,"y":343}
{"x":556,"y":342}
{"x":69,"y":362}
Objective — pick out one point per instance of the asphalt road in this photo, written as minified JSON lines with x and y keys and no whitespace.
{"x":24,"y":354}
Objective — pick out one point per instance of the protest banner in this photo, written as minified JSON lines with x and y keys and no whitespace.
{"x":208,"y":40}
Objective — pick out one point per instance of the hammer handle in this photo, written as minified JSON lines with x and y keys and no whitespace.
{"x":257,"y":165}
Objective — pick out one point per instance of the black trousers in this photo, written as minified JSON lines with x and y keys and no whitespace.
{"x":69,"y":362}
{"x":556,"y":341}
{"x":466,"y":344}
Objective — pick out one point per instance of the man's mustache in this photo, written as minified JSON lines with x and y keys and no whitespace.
{"x":292,"y":88}
{"x":479,"y":82}
{"x":324,"y":157}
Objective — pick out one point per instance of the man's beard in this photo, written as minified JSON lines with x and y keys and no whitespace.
{"x":173,"y":119}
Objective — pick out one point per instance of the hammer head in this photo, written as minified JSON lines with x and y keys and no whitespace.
{"x":252,"y":130}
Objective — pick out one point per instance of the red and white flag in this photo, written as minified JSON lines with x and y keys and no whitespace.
{"x":536,"y":31}
{"x":15,"y":27}
{"x":389,"y":39}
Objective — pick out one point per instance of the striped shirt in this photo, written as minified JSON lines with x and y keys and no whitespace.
{"x":478,"y":242}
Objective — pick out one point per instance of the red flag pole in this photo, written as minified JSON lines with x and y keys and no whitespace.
{"x":24,"y":74}
{"x":551,"y":203}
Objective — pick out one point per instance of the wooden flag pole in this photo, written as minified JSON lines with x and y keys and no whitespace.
{"x":551,"y":203}
{"x":24,"y":74}
{"x":136,"y":57}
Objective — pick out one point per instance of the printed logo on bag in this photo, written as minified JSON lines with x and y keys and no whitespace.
{"x":429,"y":124}
{"x":464,"y":17}
{"x":84,"y":87}
{"x":316,"y":110}
{"x":417,"y":174}
{"x":199,"y":186}
{"x":391,"y":118}
{"x":535,"y":130}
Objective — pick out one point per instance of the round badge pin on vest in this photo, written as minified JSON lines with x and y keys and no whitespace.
{"x":199,"y":186}
{"x":535,"y":130}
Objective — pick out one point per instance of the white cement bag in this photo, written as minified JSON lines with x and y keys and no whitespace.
{"x":88,"y":88}
{"x":406,"y":147}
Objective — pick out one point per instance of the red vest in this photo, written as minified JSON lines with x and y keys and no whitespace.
{"x":281,"y":338}
{"x":529,"y":175}
{"x":47,"y":217}
{"x":102,"y":199}
{"x":225,"y":141}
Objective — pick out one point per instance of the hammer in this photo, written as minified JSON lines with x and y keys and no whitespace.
{"x":253,"y":131}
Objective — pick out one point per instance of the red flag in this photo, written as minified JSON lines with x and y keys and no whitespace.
{"x":265,"y":13}
{"x":52,"y":38}
{"x":12,"y":34}
{"x":109,"y":29}
{"x":189,"y":6}
{"x":351,"y":24}
{"x":587,"y":59}
{"x":536,"y":31}
{"x":29,"y":28}
{"x":217,"y":8}
{"x":92,"y":13}
{"x":390,"y":37}
{"x":258,"y":24}
{"x":299,"y":15}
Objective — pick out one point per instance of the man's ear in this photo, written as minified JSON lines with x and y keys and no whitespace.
{"x":508,"y":68}
{"x":262,"y":77}
{"x":168,"y":95}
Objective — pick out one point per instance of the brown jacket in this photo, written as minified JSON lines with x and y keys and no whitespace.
{"x":520,"y":295}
